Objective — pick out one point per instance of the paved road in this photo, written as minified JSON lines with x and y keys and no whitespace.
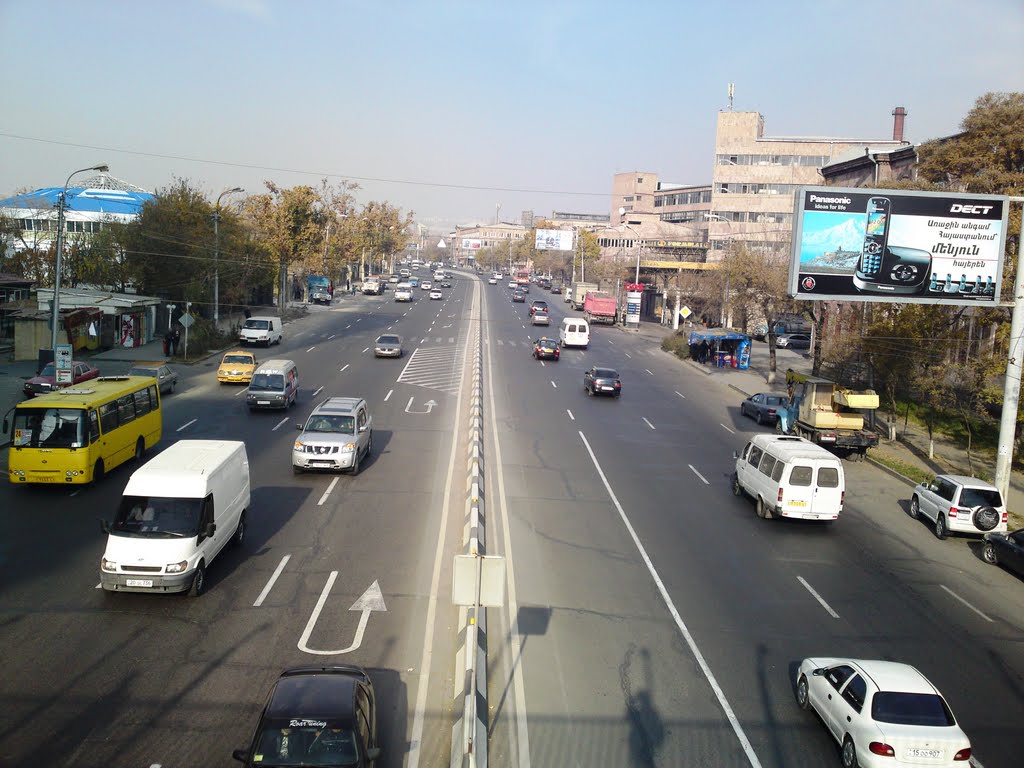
{"x":92,"y":679}
{"x":658,"y":621}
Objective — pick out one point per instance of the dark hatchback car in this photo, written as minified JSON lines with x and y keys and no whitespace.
{"x":1005,"y":549}
{"x":519,"y":296}
{"x":46,"y":381}
{"x":763,"y":407}
{"x":556,"y":287}
{"x":602,"y":381}
{"x":316,"y":716}
{"x":546,"y":349}
{"x":163,"y":373}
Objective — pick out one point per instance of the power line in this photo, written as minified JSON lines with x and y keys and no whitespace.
{"x":319,"y":174}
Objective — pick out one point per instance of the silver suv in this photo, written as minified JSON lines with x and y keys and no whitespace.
{"x":959,"y":504}
{"x":337,"y":435}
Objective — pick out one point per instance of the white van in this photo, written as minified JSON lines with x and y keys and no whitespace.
{"x":791,"y":477}
{"x":265,"y":330}
{"x":574,"y":332}
{"x":177,"y":513}
{"x":274,"y":384}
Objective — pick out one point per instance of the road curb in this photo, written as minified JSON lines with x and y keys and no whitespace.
{"x":891,"y":471}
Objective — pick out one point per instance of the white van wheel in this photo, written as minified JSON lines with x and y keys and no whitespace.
{"x":737,"y":489}
{"x":239,"y":535}
{"x":198,"y":581}
{"x":760,"y":507}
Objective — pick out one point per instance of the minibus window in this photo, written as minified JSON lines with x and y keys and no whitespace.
{"x":828,"y":477}
{"x":801,"y":475}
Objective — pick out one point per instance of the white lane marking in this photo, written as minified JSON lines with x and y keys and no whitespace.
{"x":388,"y":395}
{"x":348,"y":326}
{"x":358,"y":319}
{"x":366,"y":350}
{"x":343,"y":369}
{"x":327,"y":493}
{"x":331,"y":336}
{"x":629,"y":355}
{"x":818,"y":597}
{"x":554,"y":385}
{"x":726,"y":428}
{"x":318,"y":391}
{"x":647,"y":422}
{"x":680,"y":624}
{"x":273,"y":579}
{"x":680,"y":394}
{"x":649,"y":371}
{"x":241,"y":392}
{"x":611,"y":342}
{"x":311,"y":348}
{"x":570,"y":414}
{"x":698,"y":474}
{"x":186,"y":425}
{"x":954,"y":594}
{"x":542,"y":364}
{"x":280,"y":423}
{"x":390,"y":327}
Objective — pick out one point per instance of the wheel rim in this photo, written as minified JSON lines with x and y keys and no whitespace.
{"x":849,"y":754}
{"x":915,"y":509}
{"x":940,"y":526}
{"x":801,"y":692}
{"x":989,"y":554}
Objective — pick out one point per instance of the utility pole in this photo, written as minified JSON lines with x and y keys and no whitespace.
{"x":216,"y":253}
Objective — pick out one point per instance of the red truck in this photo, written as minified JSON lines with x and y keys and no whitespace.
{"x":599,"y":307}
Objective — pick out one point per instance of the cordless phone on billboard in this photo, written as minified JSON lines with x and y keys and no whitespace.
{"x":876,"y":234}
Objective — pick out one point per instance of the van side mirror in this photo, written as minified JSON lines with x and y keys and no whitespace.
{"x":211,"y":528}
{"x":241,"y":755}
{"x":104,"y":526}
{"x":735,"y":454}
{"x":364,"y":427}
{"x":5,"y":423}
{"x":298,"y":426}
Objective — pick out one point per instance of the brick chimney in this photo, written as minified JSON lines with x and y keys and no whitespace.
{"x":899,"y":115}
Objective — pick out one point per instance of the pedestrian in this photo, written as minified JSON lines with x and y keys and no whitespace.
{"x":175,"y":340}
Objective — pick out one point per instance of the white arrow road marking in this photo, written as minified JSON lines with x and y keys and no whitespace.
{"x":327,"y":493}
{"x":698,"y":474}
{"x":647,"y":422}
{"x":186,"y":425}
{"x":388,"y":395}
{"x":273,"y":580}
{"x":726,"y":428}
{"x":318,"y":391}
{"x":430,"y":406}
{"x":371,"y":600}
{"x":280,"y":423}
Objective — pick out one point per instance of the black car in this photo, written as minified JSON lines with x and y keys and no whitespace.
{"x":519,"y":296}
{"x":556,"y":288}
{"x":546,"y":349}
{"x":538,"y":305}
{"x":316,"y":716}
{"x":1005,"y":549}
{"x":763,"y":407}
{"x":602,"y":381}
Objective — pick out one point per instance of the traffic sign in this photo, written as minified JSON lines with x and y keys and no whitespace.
{"x":186,"y":320}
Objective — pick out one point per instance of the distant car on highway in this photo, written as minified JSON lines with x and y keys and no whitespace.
{"x":492,"y":280}
{"x":513,"y":284}
{"x":882,"y":713}
{"x":556,"y":287}
{"x":1005,"y":549}
{"x":541,"y":317}
{"x":403,"y":292}
{"x":546,"y":349}
{"x":794,"y":341}
{"x":436,"y":294}
{"x":538,"y":304}
{"x":426,"y":285}
{"x":166,"y":377}
{"x":388,"y":345}
{"x":602,"y":381}
{"x":519,"y":297}
{"x":763,"y":407}
{"x":46,"y":381}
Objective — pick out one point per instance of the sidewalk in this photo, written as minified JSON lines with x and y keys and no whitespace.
{"x":910,"y":448}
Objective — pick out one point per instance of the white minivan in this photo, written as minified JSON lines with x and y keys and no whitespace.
{"x":574,"y":332}
{"x":177,"y":513}
{"x":790,"y":477}
{"x":265,"y":330}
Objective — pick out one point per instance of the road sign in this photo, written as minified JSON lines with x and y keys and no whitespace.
{"x":62,"y":363}
{"x":685,"y":312}
{"x":186,"y":320}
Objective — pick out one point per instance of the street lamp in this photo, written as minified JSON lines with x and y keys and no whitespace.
{"x":216,"y":253}
{"x":60,"y":248}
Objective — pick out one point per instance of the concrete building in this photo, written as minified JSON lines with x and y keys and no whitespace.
{"x":755,"y":177}
{"x":653,"y":240}
{"x":641,"y":192}
{"x":465,"y":241}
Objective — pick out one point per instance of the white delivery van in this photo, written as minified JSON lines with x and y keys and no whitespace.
{"x":177,"y":513}
{"x":574,"y":332}
{"x":790,"y":477}
{"x":265,"y":330}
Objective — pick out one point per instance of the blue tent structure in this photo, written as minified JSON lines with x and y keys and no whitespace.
{"x":714,"y":335}
{"x":737,"y":351}
{"x":82,"y":199}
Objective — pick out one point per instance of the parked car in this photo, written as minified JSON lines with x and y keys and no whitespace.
{"x":166,"y":376}
{"x":323,"y":716}
{"x":388,"y":345}
{"x":763,"y":407}
{"x":959,"y":504}
{"x":46,"y":381}
{"x":882,"y":713}
{"x":602,"y":381}
{"x":1005,"y":549}
{"x":794,"y":341}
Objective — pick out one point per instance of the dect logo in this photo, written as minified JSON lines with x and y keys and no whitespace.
{"x":808,"y":283}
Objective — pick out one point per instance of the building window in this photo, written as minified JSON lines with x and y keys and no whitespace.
{"x":640,"y":180}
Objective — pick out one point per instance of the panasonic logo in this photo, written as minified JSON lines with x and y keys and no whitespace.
{"x":977,"y":209}
{"x":843,"y":200}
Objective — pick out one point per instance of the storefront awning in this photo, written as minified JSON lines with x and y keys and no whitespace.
{"x":712,"y":335}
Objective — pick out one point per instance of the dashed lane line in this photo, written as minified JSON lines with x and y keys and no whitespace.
{"x":186,"y":425}
{"x":647,"y":422}
{"x":818,"y":597}
{"x":327,"y":493}
{"x":272,"y":581}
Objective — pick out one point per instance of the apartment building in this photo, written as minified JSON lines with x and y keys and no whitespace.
{"x":641,"y":192}
{"x":755,"y":177}
{"x":466,"y":241}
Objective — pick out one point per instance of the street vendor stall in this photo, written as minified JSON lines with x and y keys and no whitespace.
{"x":720,"y":347}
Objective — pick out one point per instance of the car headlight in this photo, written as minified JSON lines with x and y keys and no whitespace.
{"x":299,"y":445}
{"x":108,"y":565}
{"x":349,"y":446}
{"x":177,"y":567}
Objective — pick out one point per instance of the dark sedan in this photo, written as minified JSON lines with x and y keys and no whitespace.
{"x":602,"y":381}
{"x":46,"y":381}
{"x":763,"y":407}
{"x":556,"y":288}
{"x":546,"y":349}
{"x":316,"y":716}
{"x":519,"y":296}
{"x":1005,"y":549}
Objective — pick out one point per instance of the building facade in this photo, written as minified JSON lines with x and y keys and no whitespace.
{"x":466,"y":241}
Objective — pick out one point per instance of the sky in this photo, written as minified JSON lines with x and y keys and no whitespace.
{"x":450,"y":109}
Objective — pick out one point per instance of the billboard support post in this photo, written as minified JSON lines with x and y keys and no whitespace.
{"x":1011,"y":385}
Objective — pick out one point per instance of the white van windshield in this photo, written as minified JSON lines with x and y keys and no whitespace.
{"x":157,"y":517}
{"x":257,"y":325}
{"x":267,"y":382}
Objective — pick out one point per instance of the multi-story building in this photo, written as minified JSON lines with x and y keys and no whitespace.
{"x":466,"y":241}
{"x":755,"y":178}
{"x":641,"y":192}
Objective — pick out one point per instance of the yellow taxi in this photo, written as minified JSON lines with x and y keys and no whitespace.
{"x":237,"y":367}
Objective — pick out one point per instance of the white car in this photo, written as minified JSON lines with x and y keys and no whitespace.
{"x":425,"y":285}
{"x":403,"y":294}
{"x":882,"y":713}
{"x":513,"y":284}
{"x":436,"y":294}
{"x":959,"y":504}
{"x":492,"y":280}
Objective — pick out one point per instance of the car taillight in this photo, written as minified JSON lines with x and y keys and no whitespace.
{"x":952,"y":511}
{"x":878,"y":748}
{"x":771,"y":411}
{"x":1004,"y":516}
{"x":780,"y":494}
{"x":963,"y":754}
{"x":842,"y":498}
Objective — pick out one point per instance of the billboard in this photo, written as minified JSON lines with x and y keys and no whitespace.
{"x":554,"y":240}
{"x":470,"y":244}
{"x":897,"y":246}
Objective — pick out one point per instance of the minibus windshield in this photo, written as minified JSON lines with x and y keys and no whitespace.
{"x":157,"y":517}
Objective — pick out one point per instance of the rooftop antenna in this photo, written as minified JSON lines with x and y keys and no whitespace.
{"x":732,"y":91}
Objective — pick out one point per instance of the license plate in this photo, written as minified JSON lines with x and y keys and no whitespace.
{"x":139,"y":582}
{"x":321,"y":463}
{"x":933,"y":754}
{"x":608,"y":389}
{"x":45,"y":479}
{"x":798,"y":503}
{"x":262,"y":402}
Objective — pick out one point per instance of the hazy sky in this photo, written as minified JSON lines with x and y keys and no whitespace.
{"x":449,"y":108}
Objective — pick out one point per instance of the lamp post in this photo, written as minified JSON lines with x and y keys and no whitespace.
{"x":60,"y":255}
{"x":216,"y":253}
{"x":725,"y":317}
